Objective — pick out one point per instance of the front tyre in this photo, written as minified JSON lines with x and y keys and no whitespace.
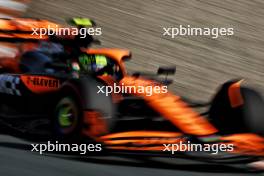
{"x":237,"y":109}
{"x":81,"y":113}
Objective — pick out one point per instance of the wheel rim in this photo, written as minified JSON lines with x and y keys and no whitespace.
{"x":67,"y":116}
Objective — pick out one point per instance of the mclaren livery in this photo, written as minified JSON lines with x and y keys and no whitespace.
{"x":55,"y":80}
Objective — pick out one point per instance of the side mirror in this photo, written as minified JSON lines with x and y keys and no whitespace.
{"x":166,"y":70}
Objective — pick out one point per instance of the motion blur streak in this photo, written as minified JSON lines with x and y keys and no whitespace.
{"x":173,"y":109}
{"x":157,"y":141}
{"x":155,"y":148}
{"x":249,"y":144}
{"x":11,"y":9}
{"x":141,"y":134}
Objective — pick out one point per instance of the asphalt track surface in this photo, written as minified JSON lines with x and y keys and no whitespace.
{"x":202,"y":64}
{"x":16,"y":158}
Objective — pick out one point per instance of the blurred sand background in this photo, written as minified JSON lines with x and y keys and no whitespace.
{"x":202,"y":62}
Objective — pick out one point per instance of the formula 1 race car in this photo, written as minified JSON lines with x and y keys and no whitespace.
{"x":85,"y":94}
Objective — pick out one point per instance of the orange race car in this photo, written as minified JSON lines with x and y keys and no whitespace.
{"x":57,"y":84}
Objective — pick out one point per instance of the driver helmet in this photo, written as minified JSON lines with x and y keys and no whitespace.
{"x":81,"y":22}
{"x":92,"y":63}
{"x":82,"y":40}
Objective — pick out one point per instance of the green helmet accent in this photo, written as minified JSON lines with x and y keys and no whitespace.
{"x":64,"y":117}
{"x":92,"y":62}
{"x":84,"y":59}
{"x":82,"y":22}
{"x":100,"y":60}
{"x":85,"y":62}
